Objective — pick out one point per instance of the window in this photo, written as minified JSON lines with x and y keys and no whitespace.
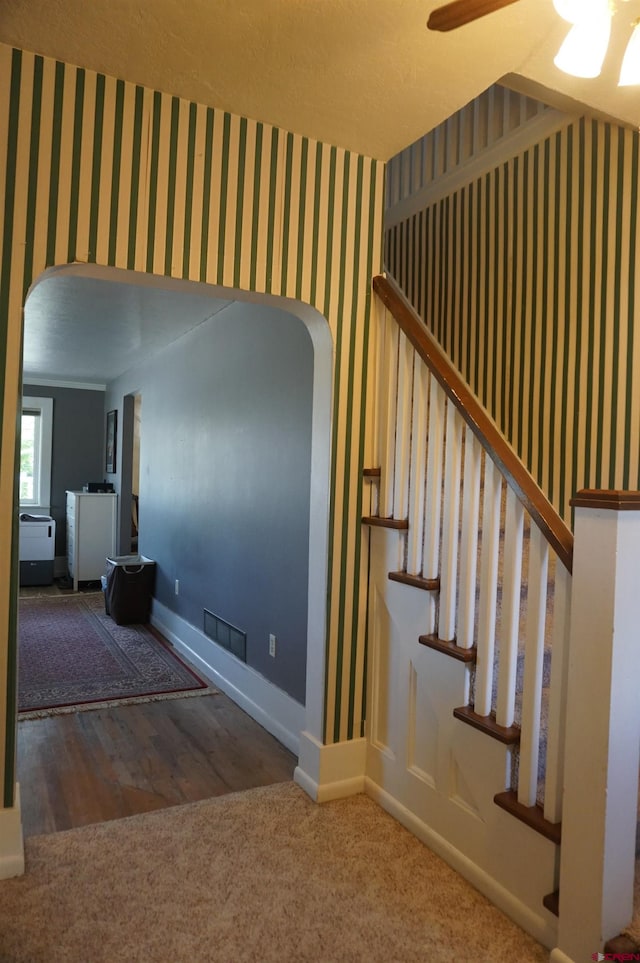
{"x":35,"y":453}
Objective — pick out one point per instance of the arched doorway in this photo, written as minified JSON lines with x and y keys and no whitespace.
{"x":148,"y":305}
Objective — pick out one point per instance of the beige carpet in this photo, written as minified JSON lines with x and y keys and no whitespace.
{"x":264,"y":875}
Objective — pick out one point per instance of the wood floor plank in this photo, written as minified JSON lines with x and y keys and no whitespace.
{"x":103,"y":764}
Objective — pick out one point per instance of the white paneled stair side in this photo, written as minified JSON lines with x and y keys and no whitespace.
{"x":463,"y":589}
{"x":488,"y":658}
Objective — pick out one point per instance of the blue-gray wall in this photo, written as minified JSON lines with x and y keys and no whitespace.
{"x":225,"y":469}
{"x":78,"y":445}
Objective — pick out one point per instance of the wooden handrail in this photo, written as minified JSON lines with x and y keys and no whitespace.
{"x":617,"y":501}
{"x":553,"y":527}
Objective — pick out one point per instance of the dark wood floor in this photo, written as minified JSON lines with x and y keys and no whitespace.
{"x":106,"y":763}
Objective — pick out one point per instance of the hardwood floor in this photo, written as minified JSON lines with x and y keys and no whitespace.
{"x":102,"y":764}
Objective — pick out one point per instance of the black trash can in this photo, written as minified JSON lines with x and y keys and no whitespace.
{"x":129,"y":588}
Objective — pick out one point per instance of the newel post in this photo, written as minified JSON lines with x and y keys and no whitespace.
{"x":602,"y":744}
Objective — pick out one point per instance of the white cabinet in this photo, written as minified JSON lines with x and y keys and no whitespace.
{"x":91,"y":534}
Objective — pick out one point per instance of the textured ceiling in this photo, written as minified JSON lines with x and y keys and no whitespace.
{"x":363,"y":74}
{"x":86,"y":324}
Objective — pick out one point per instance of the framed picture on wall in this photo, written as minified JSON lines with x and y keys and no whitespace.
{"x":112,"y":432}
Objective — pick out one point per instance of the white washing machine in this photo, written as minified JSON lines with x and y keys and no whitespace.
{"x":37,"y":549}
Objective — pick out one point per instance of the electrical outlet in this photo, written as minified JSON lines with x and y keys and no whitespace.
{"x":272,"y":646}
{"x":177,"y":587}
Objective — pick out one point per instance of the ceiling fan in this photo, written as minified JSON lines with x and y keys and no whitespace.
{"x":459,"y":12}
{"x":583,"y":51}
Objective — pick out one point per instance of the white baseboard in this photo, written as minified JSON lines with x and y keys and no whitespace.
{"x":11,"y":841}
{"x":276,"y":711}
{"x":330,"y":772}
{"x":541,"y":930}
{"x":557,"y":956}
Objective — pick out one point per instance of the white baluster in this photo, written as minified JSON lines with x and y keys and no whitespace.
{"x":382,"y":406}
{"x":558,"y":695}
{"x":533,"y":667}
{"x":374,"y":497}
{"x":388,"y":418}
{"x":510,"y":617}
{"x":371,"y":496}
{"x":469,"y":540}
{"x":403,"y":428}
{"x":377,"y":354}
{"x":418,"y":462}
{"x":451,"y":522}
{"x":433,"y":493}
{"x":488,"y":588}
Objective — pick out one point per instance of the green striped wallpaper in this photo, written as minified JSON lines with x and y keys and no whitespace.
{"x":527,"y":277}
{"x":95,"y":169}
{"x":483,"y":125}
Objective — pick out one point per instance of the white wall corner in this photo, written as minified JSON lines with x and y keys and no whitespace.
{"x":11,"y":840}
{"x":332,"y":771}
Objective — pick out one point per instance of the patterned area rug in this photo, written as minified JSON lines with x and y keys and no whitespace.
{"x":73,"y":656}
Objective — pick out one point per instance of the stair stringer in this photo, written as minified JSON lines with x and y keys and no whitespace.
{"x":434,"y":775}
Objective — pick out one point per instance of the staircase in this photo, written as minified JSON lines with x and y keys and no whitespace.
{"x":469,"y":622}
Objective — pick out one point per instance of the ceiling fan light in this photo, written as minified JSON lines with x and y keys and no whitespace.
{"x":630,"y":70}
{"x":583,"y":51}
{"x":580,"y":11}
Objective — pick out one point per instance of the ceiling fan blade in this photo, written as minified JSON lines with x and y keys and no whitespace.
{"x":459,"y":12}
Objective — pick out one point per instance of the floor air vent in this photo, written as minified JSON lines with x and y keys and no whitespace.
{"x":226,"y":635}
